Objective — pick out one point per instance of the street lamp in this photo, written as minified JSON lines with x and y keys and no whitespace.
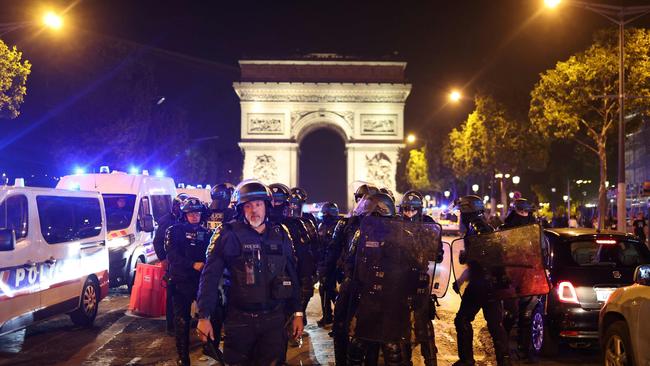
{"x":447,"y":194}
{"x":619,"y":15}
{"x":475,"y":188}
{"x":455,"y":96}
{"x":516,"y":179}
{"x":53,"y":20}
{"x":410,"y":138}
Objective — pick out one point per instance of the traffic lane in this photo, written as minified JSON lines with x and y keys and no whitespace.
{"x":57,"y":341}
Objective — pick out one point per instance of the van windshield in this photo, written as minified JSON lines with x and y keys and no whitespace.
{"x":119,"y":210}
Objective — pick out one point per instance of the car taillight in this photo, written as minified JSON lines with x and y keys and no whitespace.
{"x":567,"y":293}
{"x":605,"y":241}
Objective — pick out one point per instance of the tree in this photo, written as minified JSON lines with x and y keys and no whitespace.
{"x":417,"y":170}
{"x":573,"y":100}
{"x":13,"y":80}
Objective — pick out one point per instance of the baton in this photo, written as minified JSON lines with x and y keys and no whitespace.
{"x":212,"y":351}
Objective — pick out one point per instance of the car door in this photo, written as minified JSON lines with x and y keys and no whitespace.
{"x":146,"y":238}
{"x":19,"y":285}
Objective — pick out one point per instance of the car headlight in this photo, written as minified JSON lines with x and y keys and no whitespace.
{"x":120,"y":241}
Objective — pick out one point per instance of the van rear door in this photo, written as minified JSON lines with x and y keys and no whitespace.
{"x":19,"y":285}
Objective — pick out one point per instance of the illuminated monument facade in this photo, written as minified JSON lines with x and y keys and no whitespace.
{"x":282,"y":101}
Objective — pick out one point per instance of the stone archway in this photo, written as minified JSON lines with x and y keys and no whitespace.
{"x":283,"y":101}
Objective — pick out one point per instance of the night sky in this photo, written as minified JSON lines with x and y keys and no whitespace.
{"x":499,"y":46}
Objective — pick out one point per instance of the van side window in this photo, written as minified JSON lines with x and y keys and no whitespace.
{"x":161,"y":205}
{"x":14,"y":215}
{"x":65,"y":219}
{"x":144,"y":209}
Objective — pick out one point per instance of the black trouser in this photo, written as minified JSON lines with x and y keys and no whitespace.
{"x":340,"y":326}
{"x":520,"y":311}
{"x":307,"y":292}
{"x":475,"y":298}
{"x":169,"y":311}
{"x":327,"y":291}
{"x":253,"y":338}
{"x":182,"y":318}
{"x":367,"y":353}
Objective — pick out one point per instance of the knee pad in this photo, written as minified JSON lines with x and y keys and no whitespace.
{"x":392,"y":354}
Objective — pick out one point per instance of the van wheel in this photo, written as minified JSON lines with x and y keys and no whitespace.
{"x":85,"y":315}
{"x":617,"y":346}
{"x":131,"y":280}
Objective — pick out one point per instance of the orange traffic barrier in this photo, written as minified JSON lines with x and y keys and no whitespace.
{"x":149,"y":292}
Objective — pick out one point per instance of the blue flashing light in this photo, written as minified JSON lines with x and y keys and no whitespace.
{"x":443,"y":207}
{"x":79,"y":170}
{"x":160,"y":173}
{"x":134,"y":170}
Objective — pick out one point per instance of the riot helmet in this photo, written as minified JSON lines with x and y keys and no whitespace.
{"x":411,"y":201}
{"x":177,"y":202}
{"x":379,"y":204}
{"x":388,"y":192}
{"x":248,"y":191}
{"x":364,"y":189}
{"x":280,"y":193}
{"x":522,"y":205}
{"x":192,"y":205}
{"x":471,"y":204}
{"x":297,"y":199}
{"x":471,"y":214}
{"x":329,"y":209}
{"x":221,"y":194}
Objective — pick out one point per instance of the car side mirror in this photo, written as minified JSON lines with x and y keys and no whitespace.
{"x":642,"y":275}
{"x":146,"y":223}
{"x":7,"y":240}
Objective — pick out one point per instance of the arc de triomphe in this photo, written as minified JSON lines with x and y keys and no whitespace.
{"x":284,"y":100}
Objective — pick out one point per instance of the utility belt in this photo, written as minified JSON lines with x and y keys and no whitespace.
{"x":257,"y":308}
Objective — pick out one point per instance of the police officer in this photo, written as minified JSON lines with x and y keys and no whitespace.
{"x":297,"y":199}
{"x":327,"y":288}
{"x":280,"y":202}
{"x":412,"y":206}
{"x":186,"y":243}
{"x":259,"y":256}
{"x":520,"y":310}
{"x":478,"y":294}
{"x":164,"y":223}
{"x":219,"y":210}
{"x":302,"y":227}
{"x":411,"y":210}
{"x":344,"y":231}
{"x":358,"y":351}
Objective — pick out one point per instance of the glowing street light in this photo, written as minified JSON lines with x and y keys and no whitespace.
{"x":552,"y":3}
{"x":511,"y":195}
{"x":52,"y":20}
{"x":455,"y":96}
{"x":447,"y":194}
{"x":516,"y":179}
{"x":410,"y":138}
{"x":475,"y":188}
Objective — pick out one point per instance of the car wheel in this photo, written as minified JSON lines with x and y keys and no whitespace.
{"x":537,"y":328}
{"x":85,"y":315}
{"x":131,"y":280}
{"x":618,"y":348}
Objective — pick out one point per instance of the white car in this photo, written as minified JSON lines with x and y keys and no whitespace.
{"x":623,"y":322}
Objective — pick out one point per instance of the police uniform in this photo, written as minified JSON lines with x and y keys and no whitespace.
{"x":186,"y":244}
{"x":327,"y":287}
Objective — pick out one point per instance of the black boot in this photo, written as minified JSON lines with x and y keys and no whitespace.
{"x":429,"y":352}
{"x":393,"y":354}
{"x":356,"y":352}
{"x":464,"y":339}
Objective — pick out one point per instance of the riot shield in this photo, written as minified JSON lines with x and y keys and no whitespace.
{"x":511,"y":260}
{"x":391,"y":280}
{"x":441,"y":273}
{"x":461,"y":272}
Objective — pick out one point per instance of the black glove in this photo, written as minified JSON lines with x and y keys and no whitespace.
{"x":456,"y":287}
{"x":462,"y":257}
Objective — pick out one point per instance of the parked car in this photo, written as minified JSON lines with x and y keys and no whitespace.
{"x":53,"y":255}
{"x":623,"y":322}
{"x":585,"y":267}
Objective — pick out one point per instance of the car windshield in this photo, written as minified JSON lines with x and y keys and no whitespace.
{"x":612,"y":253}
{"x":119,"y":210}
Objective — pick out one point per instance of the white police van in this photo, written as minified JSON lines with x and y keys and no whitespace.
{"x":133,"y":203}
{"x":53,"y":255}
